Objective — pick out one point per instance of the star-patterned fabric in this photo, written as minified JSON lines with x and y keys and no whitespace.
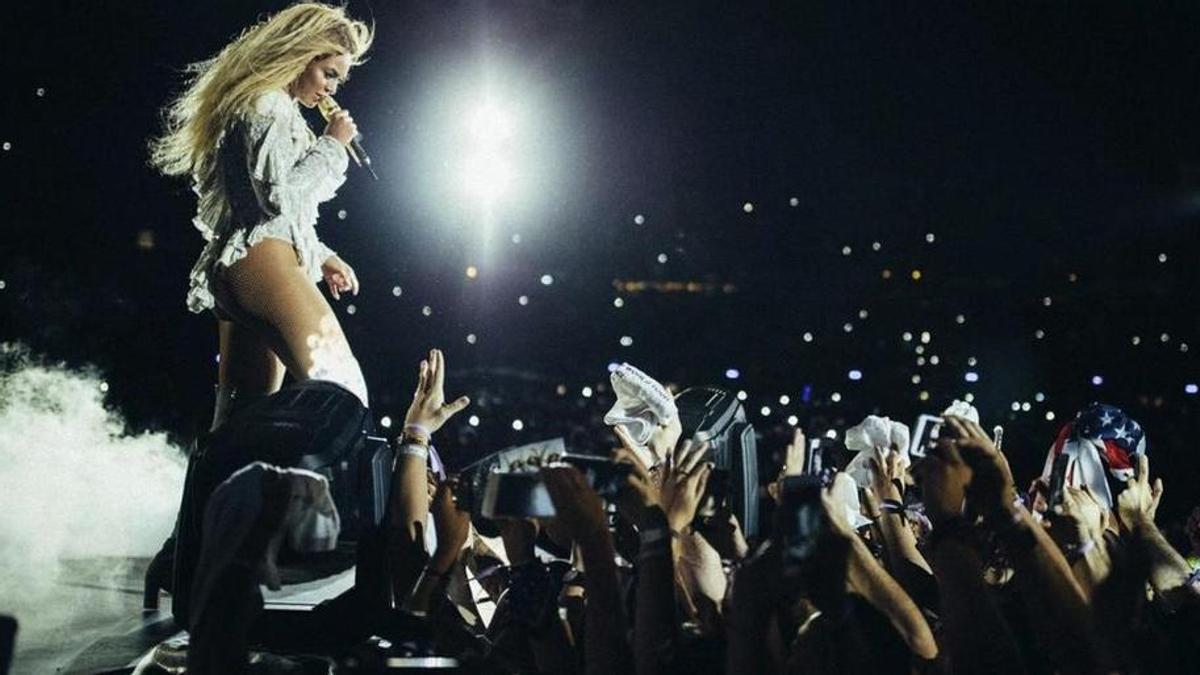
{"x":1102,"y":442}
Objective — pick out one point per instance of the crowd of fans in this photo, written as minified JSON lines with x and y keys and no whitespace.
{"x":883,"y":561}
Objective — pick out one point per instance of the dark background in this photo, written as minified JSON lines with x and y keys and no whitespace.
{"x":1036,"y":141}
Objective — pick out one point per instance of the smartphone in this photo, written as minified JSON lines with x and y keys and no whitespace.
{"x":1058,"y":479}
{"x":800,"y":516}
{"x":925,"y":435}
{"x":814,"y":461}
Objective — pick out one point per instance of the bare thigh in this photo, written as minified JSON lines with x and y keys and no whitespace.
{"x":248,"y":361}
{"x":269,"y":296}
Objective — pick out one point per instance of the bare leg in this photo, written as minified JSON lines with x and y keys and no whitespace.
{"x":270,"y":298}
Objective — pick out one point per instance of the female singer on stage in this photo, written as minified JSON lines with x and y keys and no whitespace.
{"x":259,"y":173}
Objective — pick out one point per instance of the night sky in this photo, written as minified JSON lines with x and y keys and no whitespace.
{"x":1052,"y":153}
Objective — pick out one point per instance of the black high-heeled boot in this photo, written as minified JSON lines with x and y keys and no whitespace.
{"x":159,"y":575}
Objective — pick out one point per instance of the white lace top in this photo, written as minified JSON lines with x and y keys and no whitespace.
{"x":270,"y":174}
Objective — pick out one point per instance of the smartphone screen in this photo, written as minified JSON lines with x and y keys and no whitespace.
{"x":1058,"y":479}
{"x":925,"y":434}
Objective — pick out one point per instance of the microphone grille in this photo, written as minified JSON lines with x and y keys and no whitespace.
{"x":327,"y":106}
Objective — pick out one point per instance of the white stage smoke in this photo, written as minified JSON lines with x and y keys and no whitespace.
{"x":74,"y":483}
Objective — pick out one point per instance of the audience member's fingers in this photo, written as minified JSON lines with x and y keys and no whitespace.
{"x":957,"y":427}
{"x":439,"y":370}
{"x":623,"y":435}
{"x":692,"y":460}
{"x":422,"y":378}
{"x":456,"y":406}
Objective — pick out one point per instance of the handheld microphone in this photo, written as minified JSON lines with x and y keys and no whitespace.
{"x":328,"y":107}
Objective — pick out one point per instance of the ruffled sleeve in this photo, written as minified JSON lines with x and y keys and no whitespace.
{"x":284,"y":178}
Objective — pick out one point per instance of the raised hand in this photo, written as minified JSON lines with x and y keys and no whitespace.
{"x":639,"y":498}
{"x":991,"y":486}
{"x":944,"y":479}
{"x":429,"y":410}
{"x":577,"y":507}
{"x":886,"y":474}
{"x":1138,"y":502}
{"x":683,"y":484}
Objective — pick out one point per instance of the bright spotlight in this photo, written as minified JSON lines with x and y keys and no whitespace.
{"x":487,"y":175}
{"x":490,"y":124}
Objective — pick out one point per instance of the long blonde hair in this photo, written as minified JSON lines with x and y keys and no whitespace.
{"x":265,"y":57}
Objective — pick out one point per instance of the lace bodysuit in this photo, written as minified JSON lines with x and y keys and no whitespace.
{"x":270,"y":174}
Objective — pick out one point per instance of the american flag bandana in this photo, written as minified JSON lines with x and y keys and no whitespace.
{"x":1102,"y":442}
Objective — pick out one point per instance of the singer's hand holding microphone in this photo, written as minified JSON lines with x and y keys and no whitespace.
{"x":341,"y":126}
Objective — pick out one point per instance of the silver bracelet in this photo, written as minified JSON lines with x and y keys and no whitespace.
{"x":414,"y":449}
